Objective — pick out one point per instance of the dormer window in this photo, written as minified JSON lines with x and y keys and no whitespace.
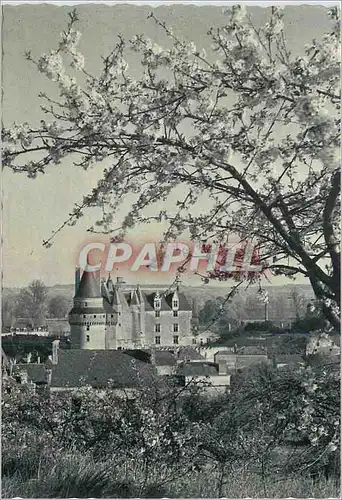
{"x":157,"y":301}
{"x":175,"y":304}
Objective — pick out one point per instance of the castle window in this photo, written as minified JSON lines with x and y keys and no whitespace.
{"x":119,"y":324}
{"x":157,"y":328}
{"x":112,"y":315}
{"x":157,"y":301}
{"x":194,"y":341}
{"x":157,"y":339}
{"x":94,"y":315}
{"x":175,"y":339}
{"x":157,"y":314}
{"x":176,"y":327}
{"x":88,"y":338}
{"x":84,"y":315}
{"x":88,"y":328}
{"x":175,"y":313}
{"x":85,"y":304}
{"x":175,"y":303}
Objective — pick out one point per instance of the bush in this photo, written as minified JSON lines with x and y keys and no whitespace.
{"x":261,"y":326}
{"x":167,"y":439}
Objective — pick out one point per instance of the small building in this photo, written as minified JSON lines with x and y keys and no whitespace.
{"x":209,"y":353}
{"x":238,"y":360}
{"x":215,"y":379}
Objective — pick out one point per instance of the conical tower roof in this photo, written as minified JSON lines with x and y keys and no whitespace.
{"x":89,"y":287}
{"x":110,"y":284}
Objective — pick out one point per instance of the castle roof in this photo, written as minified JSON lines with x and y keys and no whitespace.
{"x":89,"y":287}
{"x":134,"y":299}
{"x":166,"y":301}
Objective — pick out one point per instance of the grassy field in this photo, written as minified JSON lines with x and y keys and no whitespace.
{"x":82,"y":476}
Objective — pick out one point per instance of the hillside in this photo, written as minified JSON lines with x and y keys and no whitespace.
{"x":280,"y":305}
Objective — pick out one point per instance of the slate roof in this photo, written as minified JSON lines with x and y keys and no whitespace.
{"x":251,"y":350}
{"x":225,"y":353}
{"x":134,"y":299}
{"x":189,"y":352}
{"x":77,"y":367}
{"x":162,"y":358}
{"x":166,"y":301}
{"x":89,"y":287}
{"x":197,"y":369}
{"x":165,"y":357}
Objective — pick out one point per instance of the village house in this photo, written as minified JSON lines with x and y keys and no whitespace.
{"x":70,"y":369}
{"x":239,"y":359}
{"x":124,"y":371}
{"x":213,"y":378}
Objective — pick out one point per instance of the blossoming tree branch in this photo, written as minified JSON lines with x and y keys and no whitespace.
{"x":251,"y":126}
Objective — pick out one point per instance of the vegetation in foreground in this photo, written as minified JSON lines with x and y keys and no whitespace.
{"x":275,"y":435}
{"x":81,"y":476}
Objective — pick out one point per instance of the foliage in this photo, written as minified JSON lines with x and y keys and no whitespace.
{"x":299,"y":302}
{"x":249,"y":125}
{"x":309,"y":324}
{"x":212,"y":310}
{"x":262,"y":326}
{"x":58,"y":306}
{"x":31,"y":303}
{"x":105,"y":442}
{"x":7,"y":312}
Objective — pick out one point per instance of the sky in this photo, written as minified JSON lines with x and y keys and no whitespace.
{"x":32,"y":209}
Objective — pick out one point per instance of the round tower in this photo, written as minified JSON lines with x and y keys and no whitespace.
{"x":88,"y":318}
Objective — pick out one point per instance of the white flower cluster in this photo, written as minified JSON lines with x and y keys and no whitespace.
{"x":51,"y":65}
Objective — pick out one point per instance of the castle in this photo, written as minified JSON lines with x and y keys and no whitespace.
{"x":113,"y":315}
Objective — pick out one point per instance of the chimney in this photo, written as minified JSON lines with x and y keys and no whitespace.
{"x":153,"y":357}
{"x":77,"y":278}
{"x":120,"y":281}
{"x":223,"y":369}
{"x":48,"y":375}
{"x":24,"y":377}
{"x":55,"y":346}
